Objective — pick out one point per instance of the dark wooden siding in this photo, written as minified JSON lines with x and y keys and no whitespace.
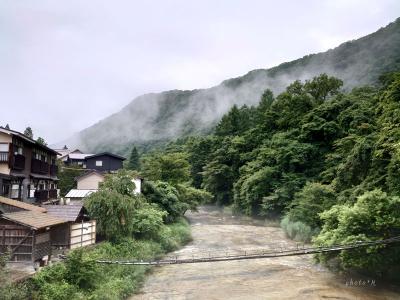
{"x":42,"y":245}
{"x":24,"y":243}
{"x":17,"y":239}
{"x":110,"y":163}
{"x":60,"y":235}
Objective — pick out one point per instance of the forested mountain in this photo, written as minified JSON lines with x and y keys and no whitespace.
{"x":153,"y":118}
{"x":327,"y":162}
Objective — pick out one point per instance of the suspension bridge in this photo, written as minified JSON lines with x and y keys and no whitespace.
{"x":240,"y":254}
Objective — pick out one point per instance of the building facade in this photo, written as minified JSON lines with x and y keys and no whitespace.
{"x":104,"y":162}
{"x":28,"y":169}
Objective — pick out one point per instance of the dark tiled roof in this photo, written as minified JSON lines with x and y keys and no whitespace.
{"x":22,"y":205}
{"x":106,"y":153}
{"x":28,"y":139}
{"x":65,"y":212}
{"x":33,"y":219}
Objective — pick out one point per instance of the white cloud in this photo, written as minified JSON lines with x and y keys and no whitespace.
{"x":65,"y":65}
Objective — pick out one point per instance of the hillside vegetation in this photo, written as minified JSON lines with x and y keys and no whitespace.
{"x":325,"y":161}
{"x":151,"y":120}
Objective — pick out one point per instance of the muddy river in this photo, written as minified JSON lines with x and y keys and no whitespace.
{"x":295,"y":277}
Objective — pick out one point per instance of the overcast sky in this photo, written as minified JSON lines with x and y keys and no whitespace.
{"x":64,"y":65}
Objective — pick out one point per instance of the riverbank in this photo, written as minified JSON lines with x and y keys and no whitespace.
{"x":80,"y":277}
{"x":277,"y":278}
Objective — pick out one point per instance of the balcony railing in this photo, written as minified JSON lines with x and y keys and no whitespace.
{"x":53,"y":170}
{"x":53,"y":194}
{"x":19,"y":162}
{"x":3,"y":156}
{"x":41,"y":195}
{"x":38,"y":166}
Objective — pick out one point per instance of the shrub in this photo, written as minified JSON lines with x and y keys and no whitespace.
{"x":147,"y":221}
{"x":297,"y":230}
{"x":114,"y":213}
{"x":313,"y":199}
{"x":166,"y":197}
{"x":60,"y":290}
{"x":374,"y":216}
{"x":81,"y":270}
{"x":175,"y":235}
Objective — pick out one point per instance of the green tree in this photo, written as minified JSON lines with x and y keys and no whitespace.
{"x":374,"y":216}
{"x":120,"y":212}
{"x":170,"y":167}
{"x":41,"y":141}
{"x":120,"y":182}
{"x":81,"y":270}
{"x":266,"y":101}
{"x":322,"y":86}
{"x":193,"y":197}
{"x":67,"y":177}
{"x":134,"y":160}
{"x":148,"y":221}
{"x":113,"y":212}
{"x":313,"y":199}
{"x":199,"y":150}
{"x":28,"y":132}
{"x":166,"y":197}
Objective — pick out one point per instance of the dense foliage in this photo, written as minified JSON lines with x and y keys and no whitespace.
{"x":66,"y":176}
{"x":313,"y":155}
{"x":134,"y":160}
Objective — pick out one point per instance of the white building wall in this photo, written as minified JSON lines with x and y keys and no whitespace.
{"x":138,"y":185}
{"x":6,"y":139}
{"x":90,"y":182}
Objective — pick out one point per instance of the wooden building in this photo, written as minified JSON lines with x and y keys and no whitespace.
{"x":91,"y":180}
{"x":80,"y":230}
{"x":104,"y":162}
{"x":28,"y":169}
{"x":25,"y":235}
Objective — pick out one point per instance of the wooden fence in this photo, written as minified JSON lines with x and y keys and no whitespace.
{"x":82,"y":234}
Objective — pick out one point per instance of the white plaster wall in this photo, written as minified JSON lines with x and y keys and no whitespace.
{"x":90,"y":182}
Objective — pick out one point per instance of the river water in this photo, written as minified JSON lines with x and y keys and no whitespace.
{"x":295,"y":277}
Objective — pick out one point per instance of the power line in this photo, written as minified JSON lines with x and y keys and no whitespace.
{"x":254,"y":254}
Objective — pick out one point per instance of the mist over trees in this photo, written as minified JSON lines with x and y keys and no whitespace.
{"x":156,"y":118}
{"x":134,"y":160}
{"x":324,"y":160}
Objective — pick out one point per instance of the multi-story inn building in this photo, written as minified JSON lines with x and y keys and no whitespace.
{"x":28,"y":169}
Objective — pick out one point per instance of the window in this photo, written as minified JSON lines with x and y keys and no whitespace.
{"x":15,"y":191}
{"x":3,"y":147}
{"x":18,"y":150}
{"x":99,"y":163}
{"x":18,"y":147}
{"x":6,"y":189}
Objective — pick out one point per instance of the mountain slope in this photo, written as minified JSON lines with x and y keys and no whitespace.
{"x":162,"y":116}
